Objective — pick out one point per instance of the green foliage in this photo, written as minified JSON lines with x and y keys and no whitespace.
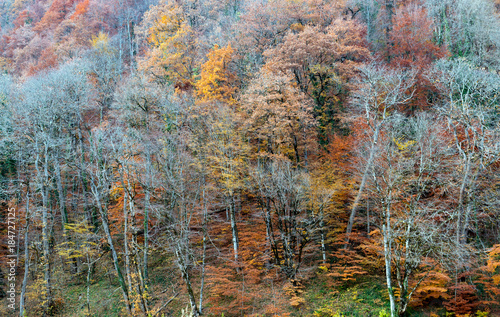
{"x":361,"y":300}
{"x":383,"y":313}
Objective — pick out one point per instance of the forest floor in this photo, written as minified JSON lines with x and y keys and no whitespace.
{"x":367,"y":297}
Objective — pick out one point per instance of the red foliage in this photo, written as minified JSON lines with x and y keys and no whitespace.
{"x":412,"y":48}
{"x":22,"y":19}
{"x":464,"y":301}
{"x":47,"y":60}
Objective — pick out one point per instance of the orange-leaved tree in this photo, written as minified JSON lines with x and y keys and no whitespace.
{"x":216,"y":81}
{"x":321,"y":63}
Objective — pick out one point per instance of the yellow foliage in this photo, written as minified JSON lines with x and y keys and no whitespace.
{"x":216,"y":82}
{"x":493,"y":263}
{"x":79,"y":246}
{"x":5,"y":64}
{"x":101,"y":43}
{"x":403,"y":146}
{"x":172,"y":46}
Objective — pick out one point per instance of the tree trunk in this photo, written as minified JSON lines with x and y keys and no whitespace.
{"x":146,"y":236}
{"x":387,"y":257}
{"x":125,"y":236}
{"x":234,"y":228}
{"x":104,"y":218}
{"x":26,"y":257}
{"x":363,"y":183}
{"x":45,"y":231}
{"x":461,"y":239}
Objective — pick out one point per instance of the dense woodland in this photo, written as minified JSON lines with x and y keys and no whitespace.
{"x":251,"y":158}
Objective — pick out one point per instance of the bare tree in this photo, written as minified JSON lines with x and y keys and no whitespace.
{"x":470,"y":104}
{"x":138,"y":102}
{"x":100,"y":170}
{"x":183,"y":183}
{"x":380,"y":92}
{"x":283,"y":197}
{"x":412,"y":219}
{"x":50,"y":106}
{"x":468,"y":27}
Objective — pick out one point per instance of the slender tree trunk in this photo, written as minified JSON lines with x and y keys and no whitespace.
{"x":89,"y":272}
{"x":125,"y":237}
{"x":146,"y":236}
{"x":62,"y":200}
{"x":147,"y":205}
{"x":363,"y":183}
{"x":26,"y":257}
{"x":323,"y":248}
{"x":388,"y":259}
{"x":104,"y":218}
{"x":63,"y":209}
{"x":205,"y":219}
{"x":462,"y":204}
{"x":45,"y":232}
{"x":187,"y":279}
{"x":387,"y":236}
{"x":234,"y":228}
{"x":296,"y":149}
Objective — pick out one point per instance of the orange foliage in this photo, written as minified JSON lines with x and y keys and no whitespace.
{"x":321,"y":63}
{"x":265,"y":23}
{"x":489,"y":278}
{"x":23,"y":18}
{"x":81,"y":8}
{"x":236,"y":288}
{"x":433,"y":287}
{"x":278,"y":116}
{"x":217,"y":82}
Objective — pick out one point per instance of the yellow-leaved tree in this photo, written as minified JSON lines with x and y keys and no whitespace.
{"x":172,"y":55}
{"x":217,"y":82}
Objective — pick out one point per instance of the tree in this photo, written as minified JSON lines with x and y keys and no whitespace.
{"x":412,"y":47}
{"x":216,"y":81}
{"x":467,"y":28}
{"x":184,"y":206}
{"x":403,"y":184}
{"x":50,"y":106}
{"x":104,"y":72}
{"x":139,"y":103}
{"x":99,"y":170}
{"x":470,"y":97}
{"x":54,"y":15}
{"x":172,"y":58}
{"x":380,"y":91}
{"x":321,"y":63}
{"x":283,"y":194}
{"x":279,"y":117}
{"x":222,"y":154}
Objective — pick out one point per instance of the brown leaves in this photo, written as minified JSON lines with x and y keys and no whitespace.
{"x":321,"y":62}
{"x":278,"y":116}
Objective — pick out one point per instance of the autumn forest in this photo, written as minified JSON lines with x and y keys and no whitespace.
{"x":250,"y":158}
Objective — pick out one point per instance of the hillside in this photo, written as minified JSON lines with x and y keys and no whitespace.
{"x":250,"y":158}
